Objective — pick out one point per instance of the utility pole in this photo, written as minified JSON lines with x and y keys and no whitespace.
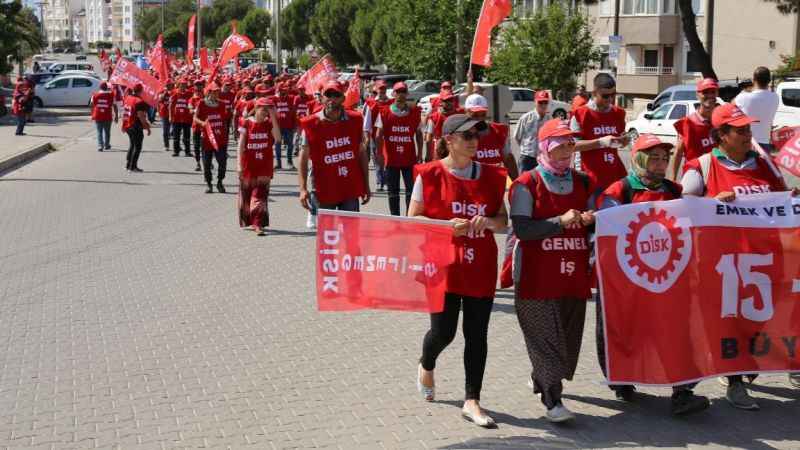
{"x":162,"y":17}
{"x":199,"y":31}
{"x":276,"y":14}
{"x":459,"y":44}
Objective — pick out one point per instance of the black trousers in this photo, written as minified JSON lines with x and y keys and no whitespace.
{"x":444,"y":325}
{"x":393,"y":175}
{"x":197,"y":140}
{"x":166,"y":131}
{"x":180,"y":133}
{"x":136,"y":137}
{"x":221,"y":156}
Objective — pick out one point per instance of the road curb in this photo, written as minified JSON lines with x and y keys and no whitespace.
{"x":25,"y":156}
{"x":61,"y":113}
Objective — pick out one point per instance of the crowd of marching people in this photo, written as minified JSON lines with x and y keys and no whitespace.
{"x":567,"y":170}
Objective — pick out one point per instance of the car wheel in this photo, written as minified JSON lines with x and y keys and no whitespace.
{"x":37,"y":102}
{"x":560,"y":114}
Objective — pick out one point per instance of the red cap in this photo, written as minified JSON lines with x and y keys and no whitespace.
{"x":555,"y":127}
{"x":542,"y":96}
{"x":730,"y":114}
{"x":261,"y":89}
{"x":648,"y":141}
{"x":399,"y":86}
{"x":263,"y":101}
{"x":212,"y":87}
{"x":707,"y":83}
{"x":447,"y":85}
{"x":380,"y":84}
{"x":332,"y":85}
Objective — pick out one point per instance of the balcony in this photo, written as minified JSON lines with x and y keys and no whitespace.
{"x":645,"y":81}
{"x":650,"y":30}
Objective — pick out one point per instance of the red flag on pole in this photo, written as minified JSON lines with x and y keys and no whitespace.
{"x":128,"y":74}
{"x":159,"y":59}
{"x":231,"y":48}
{"x":191,"y":39}
{"x":205,"y":67}
{"x":353,"y":94}
{"x":317,"y":75}
{"x":372,"y":261}
{"x":493,"y":12}
{"x":209,"y":131}
{"x":788,"y":156}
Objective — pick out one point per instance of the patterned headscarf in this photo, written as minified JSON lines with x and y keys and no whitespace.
{"x":558,"y":168}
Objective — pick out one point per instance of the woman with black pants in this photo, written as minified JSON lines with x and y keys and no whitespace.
{"x":470,"y":195}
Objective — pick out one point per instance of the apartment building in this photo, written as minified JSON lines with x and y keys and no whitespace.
{"x":98,"y":20}
{"x":57,"y":19}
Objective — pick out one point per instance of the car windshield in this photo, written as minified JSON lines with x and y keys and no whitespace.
{"x":660,"y":113}
{"x":791,"y":97}
{"x":684,"y":95}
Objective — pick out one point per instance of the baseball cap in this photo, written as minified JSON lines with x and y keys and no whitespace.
{"x":332,"y":85}
{"x":730,"y":114}
{"x":461,"y":122}
{"x":263,"y":101}
{"x":555,"y":127}
{"x":707,"y":83}
{"x":212,"y":87}
{"x":400,"y":86}
{"x":647,"y":141}
{"x":261,"y":89}
{"x":447,"y":85}
{"x":476,"y":103}
{"x":542,"y":96}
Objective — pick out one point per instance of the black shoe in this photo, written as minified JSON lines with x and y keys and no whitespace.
{"x":685,"y":402}
{"x":624,"y":393}
{"x":220,"y":187}
{"x":380,"y":188}
{"x":279,"y":167}
{"x":188,"y":155}
{"x":136,"y":169}
{"x":100,"y":149}
{"x":197,"y":169}
{"x":209,"y":190}
{"x":107,"y":147}
{"x":176,"y":154}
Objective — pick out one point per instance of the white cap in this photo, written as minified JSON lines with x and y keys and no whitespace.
{"x":476,"y":103}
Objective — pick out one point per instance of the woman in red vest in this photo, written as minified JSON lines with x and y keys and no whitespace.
{"x":470,"y":195}
{"x":731,"y":169}
{"x":258,"y":136}
{"x":646,"y":182}
{"x":694,"y":130}
{"x":102,"y":106}
{"x":134,"y":123}
{"x":550,"y":215}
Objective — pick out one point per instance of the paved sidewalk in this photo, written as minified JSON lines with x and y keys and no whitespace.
{"x":135,"y":314}
{"x":56,"y":131}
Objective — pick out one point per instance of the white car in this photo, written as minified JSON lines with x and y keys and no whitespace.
{"x":661,"y":121}
{"x":524,"y":102}
{"x":71,"y":90}
{"x":788,"y":114}
{"x":78,"y":72}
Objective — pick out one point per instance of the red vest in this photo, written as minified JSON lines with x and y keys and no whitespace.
{"x":696,"y":137}
{"x":102,"y":102}
{"x":741,"y":182}
{"x":603,"y":164}
{"x":301,"y":107}
{"x":556,"y":267}
{"x":129,"y":117}
{"x":216,"y":117}
{"x":256,"y":159}
{"x":284,"y":109}
{"x":179,"y":107}
{"x":616,"y":191}
{"x":227,"y":99}
{"x":375,"y":106}
{"x":194,"y":101}
{"x":445,"y":197}
{"x":491,"y":144}
{"x":399,"y":148}
{"x":334,"y":150}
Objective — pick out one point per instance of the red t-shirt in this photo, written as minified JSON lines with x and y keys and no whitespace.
{"x":102,"y":102}
{"x":179,"y":107}
{"x":216,"y":116}
{"x":227,"y":98}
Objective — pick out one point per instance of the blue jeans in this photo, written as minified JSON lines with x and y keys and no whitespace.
{"x":380,"y":171}
{"x":103,"y":134}
{"x":21,"y":123}
{"x":287,"y":138}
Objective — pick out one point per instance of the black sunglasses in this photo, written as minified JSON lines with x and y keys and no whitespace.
{"x":469,"y":135}
{"x":333,"y":94}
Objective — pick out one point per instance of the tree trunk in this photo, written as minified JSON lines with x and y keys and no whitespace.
{"x":695,"y":44}
{"x":459,"y":44}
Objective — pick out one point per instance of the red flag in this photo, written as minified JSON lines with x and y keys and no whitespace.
{"x":371,"y":261}
{"x":159,"y":59}
{"x":493,"y":12}
{"x":783,"y":135}
{"x":788,"y":156}
{"x":119,"y":54}
{"x":231,"y":48}
{"x":128,"y":74}
{"x":317,"y":75}
{"x":205,"y":67}
{"x":209,"y":131}
{"x":190,"y":44}
{"x":353,"y":94}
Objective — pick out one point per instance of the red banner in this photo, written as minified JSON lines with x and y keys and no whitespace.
{"x":212,"y":138}
{"x":231,"y":48}
{"x":159,"y":60}
{"x":191,"y":40}
{"x":353,"y":94}
{"x":783,"y":135}
{"x":493,"y":12}
{"x":317,"y":75}
{"x":696,"y":288}
{"x":127,"y":74}
{"x":205,"y":67}
{"x":788,"y":156}
{"x":370,"y":261}
{"x":105,"y":61}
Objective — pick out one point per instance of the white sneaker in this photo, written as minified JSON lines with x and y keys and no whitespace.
{"x":559,"y":413}
{"x":311,"y":222}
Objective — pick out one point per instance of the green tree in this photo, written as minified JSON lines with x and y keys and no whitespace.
{"x":20,"y":35}
{"x":361,"y":31}
{"x":176,"y":22}
{"x":256,"y":26}
{"x":545,"y":51}
{"x":295,"y":20}
{"x":330,"y":28}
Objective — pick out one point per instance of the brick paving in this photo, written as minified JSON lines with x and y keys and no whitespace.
{"x":135,"y":314}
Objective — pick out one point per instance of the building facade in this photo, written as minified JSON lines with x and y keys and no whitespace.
{"x":57,"y":19}
{"x":98,"y":20}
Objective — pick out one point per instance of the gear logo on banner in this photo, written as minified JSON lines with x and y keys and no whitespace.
{"x":655,"y":250}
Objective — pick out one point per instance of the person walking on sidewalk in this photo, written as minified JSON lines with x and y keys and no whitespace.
{"x":441,"y":187}
{"x":103,"y":105}
{"x":210,"y":115}
{"x":527,"y":133}
{"x":134,"y":123}
{"x":761,"y":104}
{"x":22,"y":102}
{"x":257,"y":136}
{"x":399,"y":139}
{"x":370,"y":111}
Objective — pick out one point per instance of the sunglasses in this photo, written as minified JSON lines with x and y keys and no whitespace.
{"x":333,"y":94}
{"x":401,"y":91}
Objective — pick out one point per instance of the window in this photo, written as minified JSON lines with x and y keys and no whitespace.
{"x":644,"y":7}
{"x":627,"y":7}
{"x":660,"y":113}
{"x":791,"y":97}
{"x":697,"y":7}
{"x":61,"y":83}
{"x":668,"y":7}
{"x":605,"y":62}
{"x":651,"y":58}
{"x":688,"y":94}
{"x":668,"y":56}
{"x":678,"y":112}
{"x":127,"y":20}
{"x":81,"y":82}
{"x":523,"y":95}
{"x":607,"y":7}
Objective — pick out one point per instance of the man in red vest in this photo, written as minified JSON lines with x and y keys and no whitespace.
{"x":102,"y":107}
{"x":211,"y":114}
{"x":332,"y":140}
{"x":694,"y":131}
{"x":399,"y":139}
{"x":134,"y":123}
{"x":180,"y":117}
{"x":600,"y":124}
{"x":284,"y":107}
{"x":163,"y":113}
{"x":447,"y":106}
{"x":370,"y":111}
{"x":494,"y":145}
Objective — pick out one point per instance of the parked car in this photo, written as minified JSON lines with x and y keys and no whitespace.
{"x":524,"y":102}
{"x":78,"y":72}
{"x":661,"y":121}
{"x":40,"y":77}
{"x":72,"y":65}
{"x":788,"y":114}
{"x":687,"y":92}
{"x":393,"y":78}
{"x":71,"y":90}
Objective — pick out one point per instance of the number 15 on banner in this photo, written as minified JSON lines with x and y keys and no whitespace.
{"x":738,"y":270}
